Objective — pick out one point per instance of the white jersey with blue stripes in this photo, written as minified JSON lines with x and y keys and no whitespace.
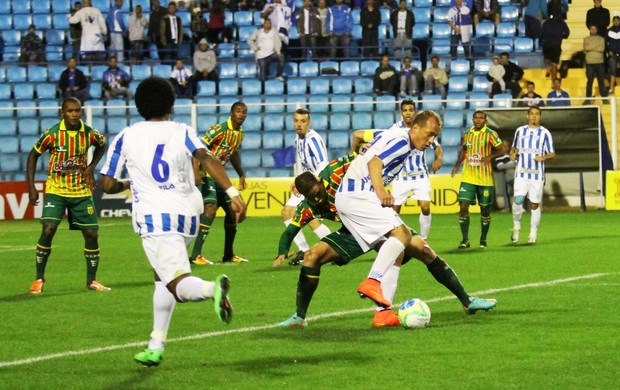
{"x":158,"y":159}
{"x":311,"y":152}
{"x":415,"y":167}
{"x":532,"y":142}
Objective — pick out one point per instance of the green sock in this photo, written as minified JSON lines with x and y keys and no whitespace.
{"x":92,"y":262}
{"x":306,"y":286}
{"x":42,"y":254}
{"x":485,"y":224}
{"x":442,"y":273}
{"x":230,"y":231}
{"x":464,"y":222}
{"x":205,"y":224}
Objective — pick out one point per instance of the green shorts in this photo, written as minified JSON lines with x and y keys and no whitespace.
{"x":343,"y":242}
{"x":469,"y":192}
{"x":81,"y":212}
{"x":213,"y":193}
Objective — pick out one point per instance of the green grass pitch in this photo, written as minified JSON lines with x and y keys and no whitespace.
{"x":555,"y":326}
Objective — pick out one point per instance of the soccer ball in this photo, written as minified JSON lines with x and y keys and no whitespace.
{"x":414,"y":313}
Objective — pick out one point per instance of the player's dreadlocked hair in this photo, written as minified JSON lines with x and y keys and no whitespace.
{"x":305,"y":182}
{"x":154,"y":98}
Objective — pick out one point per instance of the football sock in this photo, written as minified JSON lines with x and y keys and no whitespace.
{"x":517,"y":211}
{"x":425,"y":225}
{"x":442,"y":273}
{"x":464,"y":222}
{"x":205,"y":225}
{"x":387,"y":255}
{"x":535,"y":220}
{"x":485,"y":224}
{"x":306,"y":286}
{"x":92,"y":263}
{"x":163,"y":306}
{"x":299,"y":239}
{"x":389,"y":283}
{"x":42,"y":254}
{"x":322,"y":231}
{"x":194,"y":289}
{"x":230,"y":231}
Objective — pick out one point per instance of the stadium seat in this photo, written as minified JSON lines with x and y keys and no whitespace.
{"x":383,"y":119}
{"x":355,"y":16}
{"x":267,"y":160}
{"x":340,"y":121}
{"x":459,"y":68}
{"x":11,"y":37}
{"x":341,"y":103}
{"x":281,"y":172}
{"x":41,"y":21}
{"x":162,"y":71}
{"x":422,"y":14}
{"x":440,"y":14}
{"x":49,"y":108}
{"x":338,"y":139}
{"x":251,"y":158}
{"x":243,"y":18}
{"x":96,"y":73}
{"x":506,"y":29}
{"x":244,"y":51}
{"x":94,"y":90}
{"x":291,"y":69}
{"x":386,"y":103}
{"x":319,"y":121}
{"x":47,"y":123}
{"x":55,"y":53}
{"x":457,"y":83}
{"x":361,"y":120}
{"x":228,"y":87}
{"x":480,"y":84}
{"x":6,"y":21}
{"x":328,"y":65}
{"x":450,"y":136}
{"x":350,"y":68}
{"x":482,"y":65}
{"x":385,"y":15}
{"x":60,"y":22}
{"x":251,"y":141}
{"x":5,"y":92}
{"x":482,"y":98}
{"x":145,"y":4}
{"x":318,"y":103}
{"x":294,"y":102}
{"x":9,"y":145}
{"x":228,"y":70}
{"x":140,"y":72}
{"x":244,"y":32}
{"x":22,"y":7}
{"x":246,"y":70}
{"x":9,"y":127}
{"x":274,"y":103}
{"x":182,"y":106}
{"x":26,"y":142}
{"x":485,"y":29}
{"x":432,"y":102}
{"x":28,"y":126}
{"x":206,"y":88}
{"x":342,"y":85}
{"x":55,"y":37}
{"x":6,"y":106}
{"x":41,"y":7}
{"x":272,"y":140}
{"x":444,"y":3}
{"x":396,"y":64}
{"x":116,"y":107}
{"x":363,"y":103}
{"x":441,"y":47}
{"x":274,"y":87}
{"x":251,"y":87}
{"x":450,"y":155}
{"x":509,"y":13}
{"x":453,"y":118}
{"x":274,"y":122}
{"x":26,"y":108}
{"x":356,"y":32}
{"x":368,"y":67}
{"x":363,"y":85}
{"x":523,"y":45}
{"x":421,"y":31}
{"x":441,"y":30}
{"x":24,"y":91}
{"x":46,"y":91}
{"x":206,"y":105}
{"x":502,"y":100}
{"x":423,"y":3}
{"x":22,"y":22}
{"x":296,"y":86}
{"x":115,"y":124}
{"x":16,"y":74}
{"x":226,"y":50}
{"x":319,"y":86}
{"x":37,"y":74}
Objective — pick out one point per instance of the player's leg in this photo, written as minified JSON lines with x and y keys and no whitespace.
{"x":485,"y":199}
{"x":535,"y":196}
{"x":288,"y":211}
{"x":230,"y":228}
{"x":520,"y":191}
{"x":467,"y":197}
{"x":206,"y":220}
{"x":319,"y":229}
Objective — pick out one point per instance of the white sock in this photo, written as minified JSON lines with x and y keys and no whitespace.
{"x":425,"y":225}
{"x":390,"y":282}
{"x":517,"y":211}
{"x":299,"y":239}
{"x":322,"y":231}
{"x":535,"y":221}
{"x":163,"y":306}
{"x":386,"y":257}
{"x":193,"y":289}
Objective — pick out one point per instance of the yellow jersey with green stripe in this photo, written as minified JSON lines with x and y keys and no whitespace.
{"x":222,"y":140}
{"x":478,"y":144}
{"x":68,"y":158}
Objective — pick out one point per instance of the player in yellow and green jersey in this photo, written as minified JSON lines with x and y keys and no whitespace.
{"x":480,"y":145}
{"x":68,"y":188}
{"x":224,"y":141}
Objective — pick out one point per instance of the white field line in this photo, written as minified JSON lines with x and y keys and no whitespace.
{"x":16,"y":248}
{"x":198,"y":336}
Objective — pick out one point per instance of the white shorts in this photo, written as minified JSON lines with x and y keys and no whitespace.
{"x":167,"y":254}
{"x":361,"y":212}
{"x":533,"y":189}
{"x":294,"y":200}
{"x":420,"y":190}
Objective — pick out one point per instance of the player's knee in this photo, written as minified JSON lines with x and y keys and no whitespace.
{"x":519,"y":199}
{"x":485,"y":211}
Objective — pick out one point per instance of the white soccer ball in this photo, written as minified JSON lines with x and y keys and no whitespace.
{"x":414,"y":313}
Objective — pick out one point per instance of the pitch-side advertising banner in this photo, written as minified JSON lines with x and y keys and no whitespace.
{"x":612,"y":195}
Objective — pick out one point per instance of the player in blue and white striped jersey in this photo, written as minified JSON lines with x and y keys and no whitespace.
{"x":531,"y":147}
{"x":157,"y":154}
{"x":312,"y":156}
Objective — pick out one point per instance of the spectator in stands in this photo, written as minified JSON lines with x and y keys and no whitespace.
{"x":370,"y":19}
{"x":553,"y":32}
{"x":322,"y":39}
{"x":459,"y":18}
{"x":435,"y":78}
{"x":171,"y":34}
{"x":75,"y":30}
{"x":598,"y":16}
{"x":410,"y":78}
{"x":533,"y":14}
{"x":199,"y":25}
{"x":613,"y":49}
{"x":391,"y":4}
{"x":385,"y":80}
{"x":594,"y":47}
{"x":512,"y":76}
{"x":117,"y":30}
{"x":557,"y":97}
{"x":531,"y":98}
{"x":32,"y":47}
{"x":496,"y":76}
{"x":402,"y":21}
{"x":158,"y":13}
{"x":486,"y":10}
{"x":182,"y":80}
{"x":267,"y":45}
{"x":280,"y":16}
{"x":73,"y":82}
{"x":308,"y":28}
{"x":115,"y":81}
{"x":558,"y":7}
{"x":182,"y":6}
{"x":217,"y":31}
{"x":137,"y":22}
{"x":94,"y":30}
{"x":339,"y":25}
{"x":205,"y":62}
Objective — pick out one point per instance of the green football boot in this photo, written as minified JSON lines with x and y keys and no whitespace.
{"x":150,"y":357}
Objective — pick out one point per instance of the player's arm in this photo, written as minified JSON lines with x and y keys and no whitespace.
{"x":459,"y":159}
{"x":218,"y":173}
{"x":31,"y":167}
{"x":196,"y":167}
{"x":438,"y":158}
{"x":549,"y":156}
{"x":375,"y":169}
{"x":359,"y":138}
{"x":514,"y":152}
{"x":497,"y":151}
{"x":111,"y":185}
{"x":286,"y":239}
{"x":89,"y":171}
{"x":235,"y":160}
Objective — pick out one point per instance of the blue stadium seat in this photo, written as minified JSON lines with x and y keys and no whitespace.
{"x":5,"y":92}
{"x":274,"y":103}
{"x":356,"y":32}
{"x":506,"y":29}
{"x":396,"y":64}
{"x":94,"y":90}
{"x":228,"y":70}
{"x":228,"y":87}
{"x":2,"y":75}
{"x":296,"y":86}
{"x":54,"y":71}
{"x":60,"y":21}
{"x":459,"y":68}
{"x":385,"y":15}
{"x":26,"y":109}
{"x":440,"y":14}
{"x":11,"y":37}
{"x":24,"y":91}
{"x":329,"y":64}
{"x":521,"y":29}
{"x":226,"y":50}
{"x":432,"y":102}
{"x":243,"y":18}
{"x":422,"y":14}
{"x":291,"y":69}
{"x":49,"y":108}
{"x":485,"y":29}
{"x":182,"y":118}
{"x":267,"y":159}
{"x":363,"y":85}
{"x":355,"y":16}
{"x":22,"y":22}
{"x":318,"y":103}
{"x":453,"y":118}
{"x":502,"y":100}
{"x":281,"y":172}
{"x":450,"y":155}
{"x":244,"y":51}
{"x":445,"y":3}
{"x":6,"y":21}
{"x":55,"y":53}
{"x":251,"y":87}
{"x":63,"y":6}
{"x":10,"y":162}
{"x":342,"y":85}
{"x":349,"y":68}
{"x":450,"y":136}
{"x":423,"y":3}
{"x":502,"y":45}
{"x":47,"y":123}
{"x":289,"y":136}
{"x":46,"y":91}
{"x":104,"y":5}
{"x":294,"y":102}
{"x":26,"y":142}
{"x":441,"y":47}
{"x":368,"y":67}
{"x":206,"y":105}
{"x":338,"y":140}
{"x":28,"y":126}
{"x":441,"y":30}
{"x":228,"y":18}
{"x":319,"y":86}
{"x":145,"y":4}
{"x":37,"y":74}
{"x":206,"y":88}
{"x":162,"y":71}
{"x":319,"y":121}
{"x":509,"y":13}
{"x":252,"y":124}
{"x":363,"y":103}
{"x":41,"y":21}
{"x":96,"y":72}
{"x":115,"y":124}
{"x":457,"y":84}
{"x":482,"y":98}
{"x":421,"y":31}
{"x":361,"y":120}
{"x":274,"y":122}
{"x":480,"y":84}
{"x":246,"y":70}
{"x":340,"y":121}
{"x":343,"y":103}
{"x":251,"y":141}
{"x":9,"y":145}
{"x":22,"y":7}
{"x":116,"y":107}
{"x":308,"y":69}
{"x":274,"y":87}
{"x":523,"y":45}
{"x":41,"y":7}
{"x":272,"y":140}
{"x":140,"y":72}
{"x":482,"y":65}
{"x":244,"y":32}
{"x":6,"y":106}
{"x":16,"y":74}
{"x":99,"y":124}
{"x":9,"y":127}
{"x":182,"y":106}
{"x":55,"y":37}
{"x":383,"y":119}
{"x":386,"y":103}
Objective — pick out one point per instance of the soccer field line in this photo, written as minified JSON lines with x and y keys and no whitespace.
{"x":198,"y":336}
